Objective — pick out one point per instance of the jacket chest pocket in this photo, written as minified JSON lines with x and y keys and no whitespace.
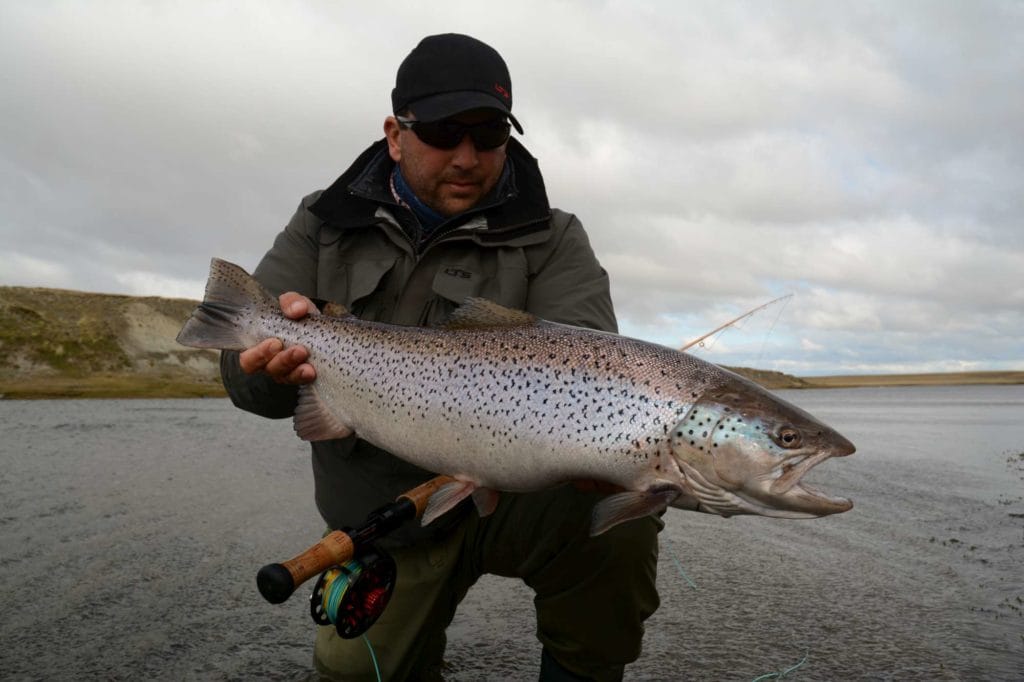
{"x":360,"y":285}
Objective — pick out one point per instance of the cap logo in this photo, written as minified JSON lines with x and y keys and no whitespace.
{"x":501,"y":91}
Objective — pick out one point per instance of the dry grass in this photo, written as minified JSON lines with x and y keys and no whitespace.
{"x":108,"y":386}
{"x":936,"y":379}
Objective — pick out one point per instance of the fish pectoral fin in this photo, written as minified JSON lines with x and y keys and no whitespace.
{"x":486,"y":500}
{"x":313,"y":420}
{"x":621,"y":507}
{"x":446,"y":498}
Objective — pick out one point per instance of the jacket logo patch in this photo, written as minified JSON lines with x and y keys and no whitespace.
{"x":456,"y":272}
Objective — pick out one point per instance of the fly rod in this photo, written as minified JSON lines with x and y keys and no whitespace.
{"x":277,"y":582}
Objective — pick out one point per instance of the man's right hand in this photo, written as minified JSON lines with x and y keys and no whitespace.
{"x":284,"y":365}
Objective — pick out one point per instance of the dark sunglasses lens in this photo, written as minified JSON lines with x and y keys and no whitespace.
{"x":448,"y":134}
{"x":439,"y":134}
{"x":490,"y":135}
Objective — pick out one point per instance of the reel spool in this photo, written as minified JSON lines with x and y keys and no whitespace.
{"x":352,"y":596}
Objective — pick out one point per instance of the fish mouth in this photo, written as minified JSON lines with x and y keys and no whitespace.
{"x":793,"y":471}
{"x":804,"y":502}
{"x":800,"y":501}
{"x":799,"y":497}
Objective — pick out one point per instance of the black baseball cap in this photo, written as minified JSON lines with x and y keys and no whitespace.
{"x":450,"y":73}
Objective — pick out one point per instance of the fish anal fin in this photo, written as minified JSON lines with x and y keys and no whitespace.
{"x":446,"y":498}
{"x":622,"y":507}
{"x":313,"y":420}
{"x":480,"y":313}
{"x":486,"y":500}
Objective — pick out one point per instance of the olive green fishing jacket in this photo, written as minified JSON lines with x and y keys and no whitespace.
{"x":354,"y":244}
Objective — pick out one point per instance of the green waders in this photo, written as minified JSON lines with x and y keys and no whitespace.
{"x":592,"y":594}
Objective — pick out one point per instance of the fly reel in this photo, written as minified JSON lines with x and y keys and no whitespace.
{"x":353,"y":595}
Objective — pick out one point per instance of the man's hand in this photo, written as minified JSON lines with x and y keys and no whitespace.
{"x":284,"y":365}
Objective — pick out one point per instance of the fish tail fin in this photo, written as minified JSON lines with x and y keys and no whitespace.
{"x":232,"y":299}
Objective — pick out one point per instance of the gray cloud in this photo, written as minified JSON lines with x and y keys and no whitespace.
{"x":866,"y":157}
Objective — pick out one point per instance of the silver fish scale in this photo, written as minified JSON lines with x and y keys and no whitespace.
{"x":532,"y":405}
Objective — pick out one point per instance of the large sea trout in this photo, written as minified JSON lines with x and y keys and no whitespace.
{"x":503,"y":401}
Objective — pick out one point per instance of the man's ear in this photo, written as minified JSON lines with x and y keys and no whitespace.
{"x":392,"y":131}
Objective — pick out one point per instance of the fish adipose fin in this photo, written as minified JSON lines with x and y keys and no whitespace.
{"x":332,"y":309}
{"x":313,"y":420}
{"x":479,"y":313}
{"x":621,"y":507}
{"x":231,"y":295}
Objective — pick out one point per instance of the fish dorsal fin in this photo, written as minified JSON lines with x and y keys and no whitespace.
{"x":480,"y":313}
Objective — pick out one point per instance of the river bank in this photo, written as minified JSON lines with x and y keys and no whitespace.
{"x":72,"y":344}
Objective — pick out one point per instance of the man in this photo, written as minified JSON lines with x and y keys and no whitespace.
{"x":449,"y":206}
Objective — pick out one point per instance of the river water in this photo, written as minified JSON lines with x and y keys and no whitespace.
{"x":131,"y":532}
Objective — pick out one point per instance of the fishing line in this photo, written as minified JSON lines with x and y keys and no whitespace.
{"x":714,"y":340}
{"x":767,"y":676}
{"x":373,"y":657}
{"x":780,"y":675}
{"x":338,"y":600}
{"x":679,"y":566}
{"x":336,"y":583}
{"x":764,"y":342}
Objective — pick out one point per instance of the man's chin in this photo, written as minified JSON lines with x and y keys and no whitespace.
{"x":453,"y":205}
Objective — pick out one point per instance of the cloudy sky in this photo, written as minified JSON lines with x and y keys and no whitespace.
{"x":867,"y":158}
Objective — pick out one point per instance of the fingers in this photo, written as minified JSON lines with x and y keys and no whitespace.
{"x":254,"y":359}
{"x":295,"y":305}
{"x":290,"y":366}
{"x":284,"y":365}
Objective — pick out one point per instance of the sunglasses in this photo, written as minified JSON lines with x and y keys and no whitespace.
{"x":447,"y":134}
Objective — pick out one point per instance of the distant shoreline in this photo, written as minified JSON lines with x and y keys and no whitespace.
{"x":931,"y":379}
{"x":72,"y":344}
{"x":146,"y":386}
{"x":107,"y":386}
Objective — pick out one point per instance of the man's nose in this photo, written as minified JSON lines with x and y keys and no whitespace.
{"x":465,"y":155}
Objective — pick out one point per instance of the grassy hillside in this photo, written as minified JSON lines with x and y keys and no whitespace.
{"x":69,"y":344}
{"x":57,"y":343}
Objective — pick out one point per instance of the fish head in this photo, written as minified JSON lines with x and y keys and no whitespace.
{"x":743,"y":450}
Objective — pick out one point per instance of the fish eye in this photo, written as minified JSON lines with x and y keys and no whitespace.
{"x":788,"y":437}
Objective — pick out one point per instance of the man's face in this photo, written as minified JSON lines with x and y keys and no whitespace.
{"x":450,"y":181}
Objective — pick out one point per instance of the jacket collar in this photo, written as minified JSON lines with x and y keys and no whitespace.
{"x":352,"y":200}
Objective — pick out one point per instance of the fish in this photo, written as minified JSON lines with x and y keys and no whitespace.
{"x":503,"y":401}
